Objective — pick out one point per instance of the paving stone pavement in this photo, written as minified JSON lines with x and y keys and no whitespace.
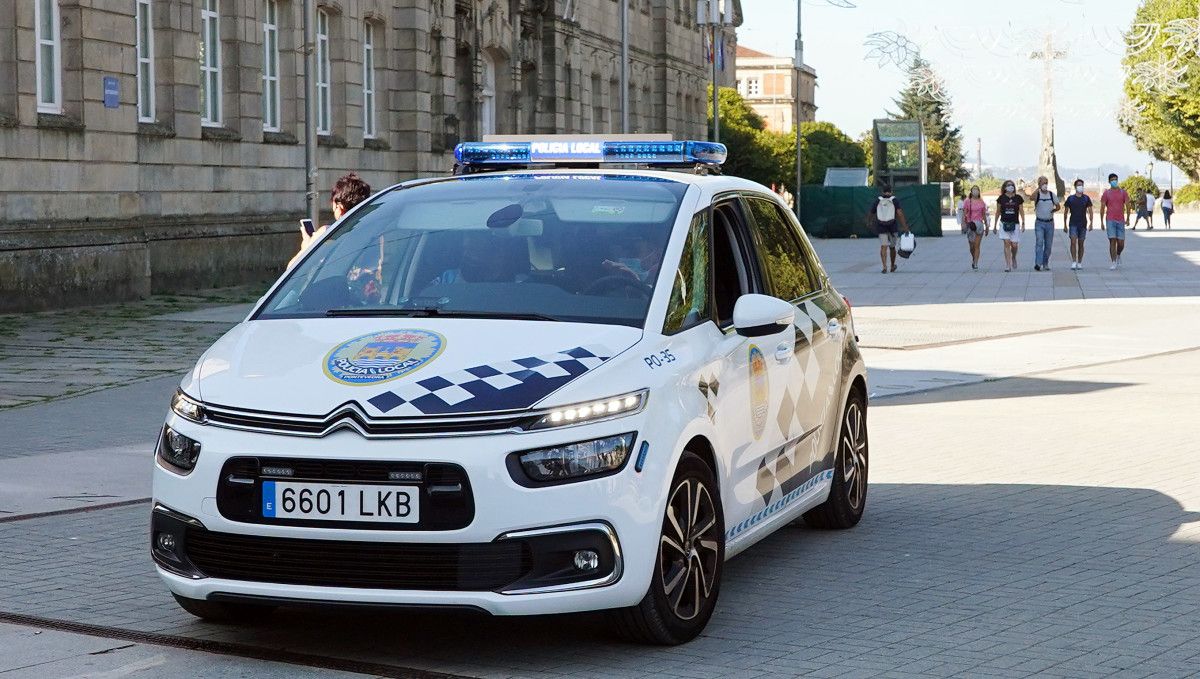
{"x":1028,"y":535}
{"x":50,"y":355}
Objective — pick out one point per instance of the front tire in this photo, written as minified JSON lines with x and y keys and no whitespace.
{"x":224,"y":611}
{"x":848,"y":494}
{"x":687,"y":571}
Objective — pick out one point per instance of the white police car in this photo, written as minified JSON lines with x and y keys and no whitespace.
{"x":524,"y":389}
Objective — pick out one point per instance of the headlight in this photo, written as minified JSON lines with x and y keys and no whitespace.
{"x":186,"y":407}
{"x":572,"y":461}
{"x":177,"y":451}
{"x":592,"y":411}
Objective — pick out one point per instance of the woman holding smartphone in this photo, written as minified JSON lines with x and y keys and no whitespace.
{"x":348,"y":191}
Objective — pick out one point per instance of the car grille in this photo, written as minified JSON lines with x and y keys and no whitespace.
{"x":379,"y":565}
{"x":349,"y":416}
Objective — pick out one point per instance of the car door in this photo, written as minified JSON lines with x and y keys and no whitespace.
{"x":830,"y":316}
{"x":799,"y":373}
{"x":737,"y":381}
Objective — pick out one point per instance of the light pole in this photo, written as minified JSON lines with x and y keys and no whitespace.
{"x":310,"y":110}
{"x":799,"y":115}
{"x":710,"y":16}
{"x":624,"y":66}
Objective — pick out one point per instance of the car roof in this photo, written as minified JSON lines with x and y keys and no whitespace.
{"x":710,"y":182}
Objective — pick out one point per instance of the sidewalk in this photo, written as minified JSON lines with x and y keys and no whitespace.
{"x":50,"y":355}
{"x":937,"y":323}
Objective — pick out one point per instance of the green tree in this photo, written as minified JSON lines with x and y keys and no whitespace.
{"x":1162,"y":83}
{"x":917,"y":101}
{"x":1137,"y":182}
{"x":1188,"y":194}
{"x":826,"y":146}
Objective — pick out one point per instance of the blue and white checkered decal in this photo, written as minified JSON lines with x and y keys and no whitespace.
{"x":508,"y":385}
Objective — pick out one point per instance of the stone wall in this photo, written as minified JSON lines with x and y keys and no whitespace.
{"x":96,"y":206}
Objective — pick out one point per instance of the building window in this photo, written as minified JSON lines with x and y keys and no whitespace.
{"x":210,"y":63}
{"x":145,"y":62}
{"x":753,"y":87}
{"x":324,"y":102}
{"x":270,"y":73}
{"x":49,"y":56}
{"x":487,"y":93}
{"x":368,"y":80}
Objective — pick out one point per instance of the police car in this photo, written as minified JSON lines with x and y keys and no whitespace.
{"x":576,"y":375}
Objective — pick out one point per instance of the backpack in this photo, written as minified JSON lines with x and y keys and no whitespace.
{"x":885,"y":210}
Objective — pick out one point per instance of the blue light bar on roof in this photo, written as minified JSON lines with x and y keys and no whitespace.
{"x":588,"y":151}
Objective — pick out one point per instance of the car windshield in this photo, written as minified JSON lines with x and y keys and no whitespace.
{"x":581,"y":248}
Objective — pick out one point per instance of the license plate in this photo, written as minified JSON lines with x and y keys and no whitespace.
{"x":340,"y":502}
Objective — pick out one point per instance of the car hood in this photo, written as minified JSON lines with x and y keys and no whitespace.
{"x":399,"y":367}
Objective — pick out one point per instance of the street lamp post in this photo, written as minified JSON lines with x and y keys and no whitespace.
{"x":710,"y":16}
{"x":624,"y":66}
{"x":310,"y":111}
{"x":799,"y":71}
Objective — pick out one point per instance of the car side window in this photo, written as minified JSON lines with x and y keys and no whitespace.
{"x":690,"y":302}
{"x":780,"y":251}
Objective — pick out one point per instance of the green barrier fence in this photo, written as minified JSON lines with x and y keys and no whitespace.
{"x":841,"y":211}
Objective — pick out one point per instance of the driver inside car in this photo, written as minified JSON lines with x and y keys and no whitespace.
{"x":488,"y":258}
{"x":636,"y":257}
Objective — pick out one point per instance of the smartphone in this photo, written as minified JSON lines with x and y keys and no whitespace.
{"x":308,"y":226}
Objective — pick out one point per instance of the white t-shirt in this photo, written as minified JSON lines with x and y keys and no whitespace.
{"x":1149,"y":201}
{"x":1168,"y":204}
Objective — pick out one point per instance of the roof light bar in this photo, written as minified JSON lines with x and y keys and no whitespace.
{"x":590,"y":151}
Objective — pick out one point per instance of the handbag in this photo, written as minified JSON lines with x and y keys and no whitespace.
{"x":907,"y":245}
{"x":1009,"y":226}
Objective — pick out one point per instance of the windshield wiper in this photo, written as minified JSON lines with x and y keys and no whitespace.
{"x":433,"y":312}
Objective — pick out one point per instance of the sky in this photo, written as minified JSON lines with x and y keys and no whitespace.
{"x":982,"y":51}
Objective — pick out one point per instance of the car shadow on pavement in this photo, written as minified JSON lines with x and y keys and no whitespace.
{"x":936,"y":579}
{"x":889,"y":387}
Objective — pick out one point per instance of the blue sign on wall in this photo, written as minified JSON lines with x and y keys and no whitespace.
{"x":112,"y":92}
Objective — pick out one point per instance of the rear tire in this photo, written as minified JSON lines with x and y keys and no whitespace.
{"x":224,"y":611}
{"x":848,"y":494}
{"x":687,"y":570}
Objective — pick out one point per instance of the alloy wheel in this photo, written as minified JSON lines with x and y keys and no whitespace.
{"x":689,"y":548}
{"x":853,"y":455}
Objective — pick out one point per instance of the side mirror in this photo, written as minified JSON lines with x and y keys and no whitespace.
{"x":758,"y":315}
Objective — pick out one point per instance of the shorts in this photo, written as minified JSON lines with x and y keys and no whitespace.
{"x":889,"y":238}
{"x":1014,"y":235}
{"x":1078,"y":232}
{"x":1115,"y":229}
{"x":976,"y":234}
{"x":1143,"y":213}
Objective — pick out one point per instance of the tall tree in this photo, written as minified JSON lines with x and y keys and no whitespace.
{"x":1162,"y":83}
{"x":924,"y":99}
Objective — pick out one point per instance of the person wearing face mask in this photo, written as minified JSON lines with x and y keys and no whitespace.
{"x":1115,"y":207}
{"x":973,"y":217}
{"x":1045,"y":204}
{"x":1009,"y":215}
{"x":1077,"y":221}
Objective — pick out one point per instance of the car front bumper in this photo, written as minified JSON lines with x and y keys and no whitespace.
{"x":514,"y":557}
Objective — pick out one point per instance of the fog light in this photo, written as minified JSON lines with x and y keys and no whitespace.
{"x":586,"y":560}
{"x":166,"y":542}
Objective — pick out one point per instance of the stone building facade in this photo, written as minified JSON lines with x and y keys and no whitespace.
{"x":157,"y":145}
{"x":765,"y":82}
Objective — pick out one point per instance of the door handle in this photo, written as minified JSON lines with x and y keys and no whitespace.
{"x":834,"y":327}
{"x":783,"y":352}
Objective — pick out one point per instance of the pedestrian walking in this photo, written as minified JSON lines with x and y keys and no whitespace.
{"x":1009,"y":216}
{"x":1168,"y":209}
{"x":1115,"y":207}
{"x":1149,"y":205}
{"x":973,"y":218}
{"x":1077,"y":221}
{"x":347,"y":192}
{"x":1139,"y":205}
{"x":1045,"y":204}
{"x":886,"y":213}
